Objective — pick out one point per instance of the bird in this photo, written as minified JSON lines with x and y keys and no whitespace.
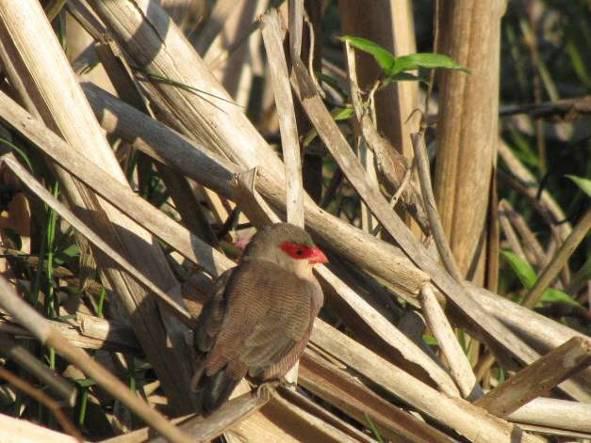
{"x":258,"y":319}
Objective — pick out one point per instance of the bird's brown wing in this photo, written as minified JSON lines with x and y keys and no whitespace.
{"x":211,"y":390}
{"x":211,"y":317}
{"x":269,"y":310}
{"x":261,"y":316}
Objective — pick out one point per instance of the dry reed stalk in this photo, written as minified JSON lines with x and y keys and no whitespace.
{"x":40,"y":328}
{"x":86,"y":332}
{"x":271,"y":29}
{"x":525,"y":177}
{"x":459,"y":366}
{"x":531,"y":245}
{"x":21,"y":356}
{"x":555,"y":413}
{"x":213,"y":26}
{"x":510,"y":234}
{"x":445,"y":252}
{"x":234,"y":57}
{"x":16,"y":430}
{"x":468,"y":126}
{"x":203,"y":429}
{"x":38,"y":67}
{"x":342,"y":390}
{"x":29,"y":181}
{"x":220,"y":125}
{"x":121,"y":196}
{"x":551,"y":271}
{"x":158,"y":140}
{"x":390,"y":24}
{"x":538,"y":378}
{"x":42,"y":398}
{"x":468,"y":420}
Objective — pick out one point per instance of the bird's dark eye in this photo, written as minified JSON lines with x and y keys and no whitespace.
{"x":299,"y":252}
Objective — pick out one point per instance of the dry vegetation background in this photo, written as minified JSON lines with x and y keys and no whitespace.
{"x":142,"y":140}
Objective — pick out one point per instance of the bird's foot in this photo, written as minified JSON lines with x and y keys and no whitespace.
{"x":284,"y":383}
{"x":266,"y":390}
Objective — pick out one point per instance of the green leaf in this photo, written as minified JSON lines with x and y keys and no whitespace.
{"x":72,"y":250}
{"x":85,"y":382}
{"x":340,"y":114}
{"x":552,"y":295}
{"x":384,"y":58}
{"x":524,"y":271}
{"x":583,"y":183}
{"x":393,"y":66}
{"x":430,"y":340}
{"x":527,"y":276}
{"x":426,"y":60}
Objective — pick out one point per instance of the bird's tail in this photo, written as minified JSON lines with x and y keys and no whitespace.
{"x":213,"y":390}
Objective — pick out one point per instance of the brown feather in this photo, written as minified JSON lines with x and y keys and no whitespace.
{"x":257,"y":322}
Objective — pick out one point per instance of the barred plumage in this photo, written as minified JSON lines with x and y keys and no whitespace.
{"x":260,"y":316}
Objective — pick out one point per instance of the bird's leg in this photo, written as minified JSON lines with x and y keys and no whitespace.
{"x":287,"y":384}
{"x":267,"y":389}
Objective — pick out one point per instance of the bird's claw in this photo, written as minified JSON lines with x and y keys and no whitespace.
{"x":288,"y":384}
{"x":267,"y":389}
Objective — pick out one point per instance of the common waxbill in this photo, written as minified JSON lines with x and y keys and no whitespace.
{"x":259,"y":318}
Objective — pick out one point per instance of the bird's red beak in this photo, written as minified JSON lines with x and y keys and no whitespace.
{"x":317,"y":256}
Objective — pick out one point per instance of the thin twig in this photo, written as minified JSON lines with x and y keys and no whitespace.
{"x":510,"y":234}
{"x":418,"y":143}
{"x":30,"y":182}
{"x":460,"y":368}
{"x":568,"y":109}
{"x":396,"y":196}
{"x":43,"y":398}
{"x":558,"y":261}
{"x":24,"y":358}
{"x":532,"y":247}
{"x":34,"y":322}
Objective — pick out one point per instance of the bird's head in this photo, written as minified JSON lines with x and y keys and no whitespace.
{"x":287,"y":245}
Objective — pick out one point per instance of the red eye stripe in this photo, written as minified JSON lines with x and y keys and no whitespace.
{"x":299,"y":251}
{"x":296,"y":250}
